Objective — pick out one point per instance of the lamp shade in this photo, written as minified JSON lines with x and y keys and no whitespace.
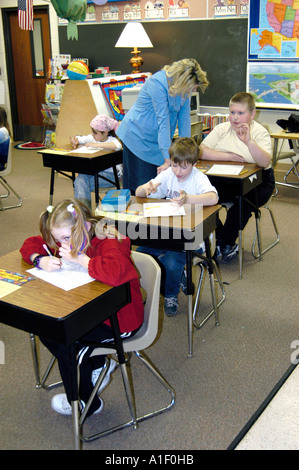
{"x":134,"y":35}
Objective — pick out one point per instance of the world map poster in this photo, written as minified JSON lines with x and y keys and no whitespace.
{"x":273,"y":30}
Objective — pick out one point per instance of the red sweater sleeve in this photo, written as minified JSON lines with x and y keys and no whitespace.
{"x":111,"y":263}
{"x":32,"y":245}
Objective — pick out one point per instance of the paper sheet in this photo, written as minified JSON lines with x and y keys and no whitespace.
{"x":6,"y":288}
{"x":225,"y":170}
{"x":85,"y":149}
{"x":163,"y":209}
{"x":128,"y":216}
{"x":70,"y":276}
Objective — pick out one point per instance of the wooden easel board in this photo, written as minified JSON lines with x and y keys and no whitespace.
{"x":77,"y":110}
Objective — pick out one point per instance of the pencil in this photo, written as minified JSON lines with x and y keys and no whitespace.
{"x":242,"y":172}
{"x":47,"y":250}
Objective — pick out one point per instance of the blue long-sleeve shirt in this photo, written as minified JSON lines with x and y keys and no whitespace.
{"x":148,"y":128}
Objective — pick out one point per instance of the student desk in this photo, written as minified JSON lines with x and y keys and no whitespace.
{"x":86,"y":163}
{"x":64,"y":316}
{"x":239,"y":186}
{"x":295,"y":139}
{"x":179,"y":233}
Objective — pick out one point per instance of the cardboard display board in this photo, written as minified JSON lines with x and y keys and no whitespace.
{"x":77,"y":109}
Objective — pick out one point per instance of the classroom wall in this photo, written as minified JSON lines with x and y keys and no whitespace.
{"x":156,"y":56}
{"x":220,"y":46}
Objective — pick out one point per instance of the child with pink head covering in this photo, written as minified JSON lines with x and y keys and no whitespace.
{"x":102,"y":137}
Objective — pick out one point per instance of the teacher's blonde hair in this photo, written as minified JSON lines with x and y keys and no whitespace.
{"x":184,"y":75}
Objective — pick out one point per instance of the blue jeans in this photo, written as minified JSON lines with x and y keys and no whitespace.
{"x":84,"y":185}
{"x":173,"y":263}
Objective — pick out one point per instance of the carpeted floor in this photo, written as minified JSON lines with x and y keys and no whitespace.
{"x":234,"y":367}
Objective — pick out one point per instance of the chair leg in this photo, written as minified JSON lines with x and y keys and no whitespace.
{"x":9,"y":189}
{"x":202,"y":265}
{"x":130,"y":398}
{"x":257,"y":237}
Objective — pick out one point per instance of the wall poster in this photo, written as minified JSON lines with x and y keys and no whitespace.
{"x":273,"y":52}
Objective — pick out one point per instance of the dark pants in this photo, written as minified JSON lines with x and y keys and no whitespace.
{"x":136,"y":171}
{"x":227,"y":234}
{"x":100,"y":334}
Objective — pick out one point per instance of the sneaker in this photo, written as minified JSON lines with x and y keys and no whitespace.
{"x":96,"y":373}
{"x":217,"y":254}
{"x":229,"y":253}
{"x":170,"y":306}
{"x":183,"y":284}
{"x":61,"y":405}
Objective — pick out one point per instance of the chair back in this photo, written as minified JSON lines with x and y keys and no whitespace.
{"x":150,"y":280}
{"x":5,"y":157}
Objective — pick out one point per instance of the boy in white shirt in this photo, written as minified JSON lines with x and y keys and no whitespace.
{"x":184,"y":184}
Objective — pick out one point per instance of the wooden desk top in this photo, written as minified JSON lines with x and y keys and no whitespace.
{"x":195,"y":214}
{"x":44,"y":298}
{"x":68,"y":151}
{"x":285,"y":135}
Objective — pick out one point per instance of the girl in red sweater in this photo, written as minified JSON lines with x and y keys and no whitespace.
{"x":72,"y":233}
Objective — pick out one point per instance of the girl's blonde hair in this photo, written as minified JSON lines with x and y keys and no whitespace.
{"x":70,"y":212}
{"x":184,"y":75}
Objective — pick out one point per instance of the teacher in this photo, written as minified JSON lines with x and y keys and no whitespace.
{"x":148,"y":128}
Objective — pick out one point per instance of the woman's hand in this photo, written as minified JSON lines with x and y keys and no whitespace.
{"x":163,"y":167}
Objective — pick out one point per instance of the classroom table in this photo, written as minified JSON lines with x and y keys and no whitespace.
{"x":239,"y":185}
{"x":294,"y":137}
{"x":177,"y":233}
{"x":40,"y":308}
{"x":60,"y":160}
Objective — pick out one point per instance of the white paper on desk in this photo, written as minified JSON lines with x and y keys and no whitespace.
{"x":163,"y":209}
{"x":85,"y":149}
{"x":70,"y":276}
{"x":225,"y":170}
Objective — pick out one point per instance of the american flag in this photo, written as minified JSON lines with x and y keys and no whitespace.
{"x":25,"y":14}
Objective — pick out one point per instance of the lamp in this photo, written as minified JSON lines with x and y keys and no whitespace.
{"x":134,"y":35}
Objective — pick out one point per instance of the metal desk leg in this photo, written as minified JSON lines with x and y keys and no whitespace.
{"x":240,"y":237}
{"x":190,"y":307}
{"x":275,"y":146}
{"x":116,"y":177}
{"x":52,"y":186}
{"x":74,"y":394}
{"x":212,"y":280}
{"x":96,"y":189}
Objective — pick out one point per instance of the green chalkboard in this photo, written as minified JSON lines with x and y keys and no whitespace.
{"x":220,"y":46}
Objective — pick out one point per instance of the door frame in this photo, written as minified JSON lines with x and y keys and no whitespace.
{"x":18,"y":133}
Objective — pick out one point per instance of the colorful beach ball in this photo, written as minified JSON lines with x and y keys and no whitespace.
{"x":77,"y":70}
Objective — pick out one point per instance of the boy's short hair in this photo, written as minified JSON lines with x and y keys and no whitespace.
{"x":184,"y":149}
{"x":244,"y":98}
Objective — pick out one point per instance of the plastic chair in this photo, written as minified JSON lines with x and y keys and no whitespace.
{"x":199,"y":261}
{"x":294,"y":152}
{"x":150,"y":280}
{"x":6,"y":150}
